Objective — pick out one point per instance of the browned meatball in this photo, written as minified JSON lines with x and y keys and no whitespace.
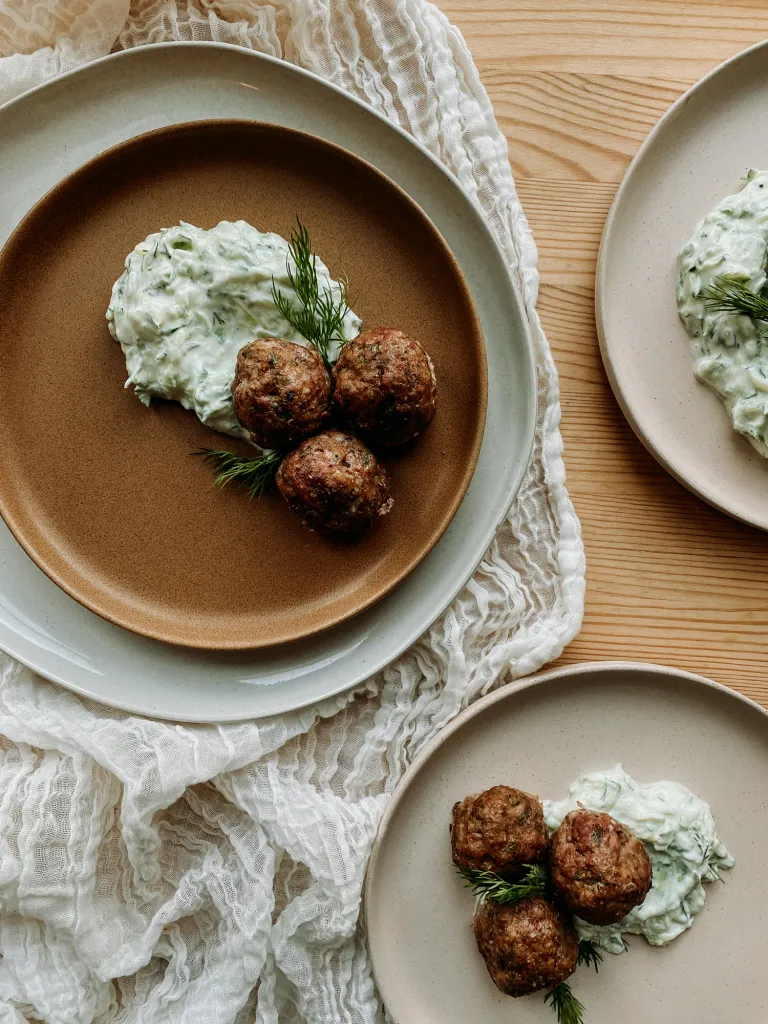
{"x":501,"y":830}
{"x":385,"y":387}
{"x":281,"y":392}
{"x":599,"y":867}
{"x":527,"y":946}
{"x":335,"y":483}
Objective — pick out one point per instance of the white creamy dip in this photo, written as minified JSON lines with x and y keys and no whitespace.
{"x":728,"y":355}
{"x":678,"y":831}
{"x":189,"y":300}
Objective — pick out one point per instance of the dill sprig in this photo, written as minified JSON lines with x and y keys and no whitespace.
{"x":319,"y":317}
{"x":565,"y":1004}
{"x":589,"y":954}
{"x":487,"y":885}
{"x":730,"y":294}
{"x":257,"y":475}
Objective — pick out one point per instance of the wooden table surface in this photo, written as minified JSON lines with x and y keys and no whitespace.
{"x":576,"y":86}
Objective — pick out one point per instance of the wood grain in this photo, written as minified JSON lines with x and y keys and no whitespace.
{"x":576,"y":86}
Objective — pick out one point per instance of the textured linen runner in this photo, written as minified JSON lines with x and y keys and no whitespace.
{"x":159,"y":873}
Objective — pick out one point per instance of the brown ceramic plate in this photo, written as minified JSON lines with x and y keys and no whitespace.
{"x":540,"y":735}
{"x":102,"y":493}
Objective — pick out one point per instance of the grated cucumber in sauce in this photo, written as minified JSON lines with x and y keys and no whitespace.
{"x":678,"y":831}
{"x":728,"y":354}
{"x":189,"y":300}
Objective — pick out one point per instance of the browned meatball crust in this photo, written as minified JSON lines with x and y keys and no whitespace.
{"x":501,"y":830}
{"x":281,"y":392}
{"x":335,"y":483}
{"x":527,"y":946}
{"x":599,"y":868}
{"x":385,"y":387}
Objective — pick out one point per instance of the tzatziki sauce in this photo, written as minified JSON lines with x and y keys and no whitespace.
{"x":189,"y":299}
{"x":678,"y":831}
{"x":728,"y":354}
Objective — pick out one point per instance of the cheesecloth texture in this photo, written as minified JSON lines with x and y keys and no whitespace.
{"x":152,"y":872}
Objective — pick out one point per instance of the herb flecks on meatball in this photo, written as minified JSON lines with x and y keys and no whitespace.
{"x":527,"y":946}
{"x":385,"y":387}
{"x":501,"y":830}
{"x":599,"y":868}
{"x":335,"y":483}
{"x":281,"y":392}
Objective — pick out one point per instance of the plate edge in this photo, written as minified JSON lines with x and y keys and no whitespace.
{"x":600,"y":288}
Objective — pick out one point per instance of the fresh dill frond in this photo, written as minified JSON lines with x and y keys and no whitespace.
{"x":565,"y":1004}
{"x":257,"y":475}
{"x":730,"y":294}
{"x":487,"y":885}
{"x":319,"y":317}
{"x":589,"y":954}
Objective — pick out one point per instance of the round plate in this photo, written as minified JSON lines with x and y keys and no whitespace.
{"x":692,"y":159}
{"x":540,"y":735}
{"x":51,"y":131}
{"x":105,"y":497}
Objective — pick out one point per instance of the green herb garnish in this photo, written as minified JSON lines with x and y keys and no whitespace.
{"x":487,"y":885}
{"x":319,"y":317}
{"x":565,"y":1004}
{"x":490,"y":886}
{"x":589,"y":954}
{"x":731,"y":294}
{"x":256,"y":474}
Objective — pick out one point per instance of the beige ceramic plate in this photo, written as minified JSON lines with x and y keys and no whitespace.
{"x":539,"y":735}
{"x":694,"y":157}
{"x":102,"y":493}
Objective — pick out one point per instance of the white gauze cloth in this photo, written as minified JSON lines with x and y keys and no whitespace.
{"x":164,"y":873}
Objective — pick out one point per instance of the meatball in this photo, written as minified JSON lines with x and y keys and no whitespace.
{"x":527,"y":946}
{"x":281,"y":392}
{"x":385,"y":387}
{"x":599,"y":867}
{"x":501,"y":830}
{"x":335,"y":483}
